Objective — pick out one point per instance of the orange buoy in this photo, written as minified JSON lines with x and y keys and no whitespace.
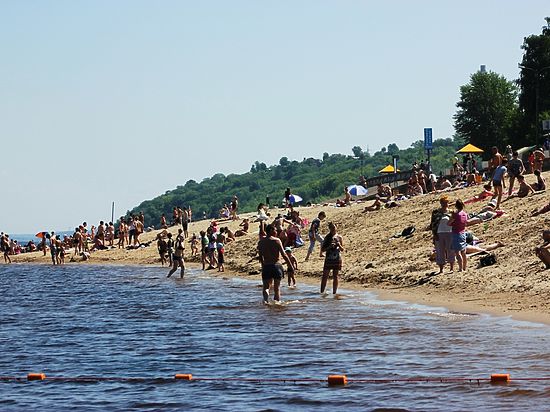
{"x":184,"y":376}
{"x":36,"y":376}
{"x":334,"y":380}
{"x":500,"y":378}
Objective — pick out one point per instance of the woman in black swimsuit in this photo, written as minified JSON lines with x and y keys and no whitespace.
{"x":332,"y":246}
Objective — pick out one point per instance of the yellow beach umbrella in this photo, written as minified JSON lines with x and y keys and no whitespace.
{"x":470,"y":148}
{"x":388,"y":169}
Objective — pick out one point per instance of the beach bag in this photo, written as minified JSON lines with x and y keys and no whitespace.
{"x":488,"y":260}
{"x":299,"y":242}
{"x":408,"y":231}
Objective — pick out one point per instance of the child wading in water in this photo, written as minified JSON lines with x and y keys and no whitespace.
{"x":194,"y":245}
{"x":294,"y":262}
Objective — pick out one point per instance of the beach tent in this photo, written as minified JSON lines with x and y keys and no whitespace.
{"x":388,"y":169}
{"x":470,"y":148}
{"x":357,"y":190}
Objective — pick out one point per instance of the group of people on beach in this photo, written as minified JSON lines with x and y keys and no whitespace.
{"x":271,"y":252}
{"x":453,"y":242}
{"x":277,"y":239}
{"x":278,"y":236}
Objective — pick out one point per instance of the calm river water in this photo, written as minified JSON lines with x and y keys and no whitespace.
{"x":133,"y":322}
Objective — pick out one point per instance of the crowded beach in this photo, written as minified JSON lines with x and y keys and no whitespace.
{"x":396,"y":239}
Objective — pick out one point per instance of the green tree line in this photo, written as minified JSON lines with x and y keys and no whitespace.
{"x":315,"y":180}
{"x":495,"y":111}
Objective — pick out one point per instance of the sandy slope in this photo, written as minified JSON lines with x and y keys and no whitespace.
{"x":399,"y":268}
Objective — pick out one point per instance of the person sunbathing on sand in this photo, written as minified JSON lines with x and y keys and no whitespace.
{"x":443,"y":183}
{"x":377,"y":205}
{"x":542,"y":251}
{"x":483,"y":195}
{"x":524,"y":188}
{"x":474,"y":249}
{"x":487,"y":212}
{"x":541,"y":210}
{"x":244,"y":231}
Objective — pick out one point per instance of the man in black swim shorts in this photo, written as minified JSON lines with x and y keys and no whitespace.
{"x":270,"y":251}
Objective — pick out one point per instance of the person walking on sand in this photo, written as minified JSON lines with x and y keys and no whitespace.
{"x":177,"y":258}
{"x":314,"y":234}
{"x":270,"y":251}
{"x":333,"y":244}
{"x":498,"y":181}
{"x":458,"y":223}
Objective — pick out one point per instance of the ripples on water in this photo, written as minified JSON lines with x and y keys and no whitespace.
{"x":133,"y":322}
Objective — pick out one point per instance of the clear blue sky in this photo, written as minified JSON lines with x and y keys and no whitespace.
{"x":121,"y":101}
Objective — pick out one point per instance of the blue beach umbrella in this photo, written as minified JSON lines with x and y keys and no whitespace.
{"x":357,"y":190}
{"x":294,"y":199}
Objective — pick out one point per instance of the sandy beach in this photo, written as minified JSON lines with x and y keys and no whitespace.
{"x":396,"y":268}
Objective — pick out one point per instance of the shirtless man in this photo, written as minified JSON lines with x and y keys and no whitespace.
{"x":244,"y":231}
{"x":270,"y":250}
{"x":524,"y":187}
{"x":77,"y":241}
{"x":163,"y":224}
{"x":347,"y":196}
{"x":101,"y":231}
{"x":377,"y":205}
{"x":138,"y":229}
{"x":383,"y":190}
{"x":539,"y":158}
{"x":515,"y":169}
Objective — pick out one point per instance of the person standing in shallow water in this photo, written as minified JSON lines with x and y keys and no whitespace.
{"x":332,"y":245}
{"x":177,"y":257}
{"x":270,"y":250}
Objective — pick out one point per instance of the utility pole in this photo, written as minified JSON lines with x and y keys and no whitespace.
{"x":537,"y":73}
